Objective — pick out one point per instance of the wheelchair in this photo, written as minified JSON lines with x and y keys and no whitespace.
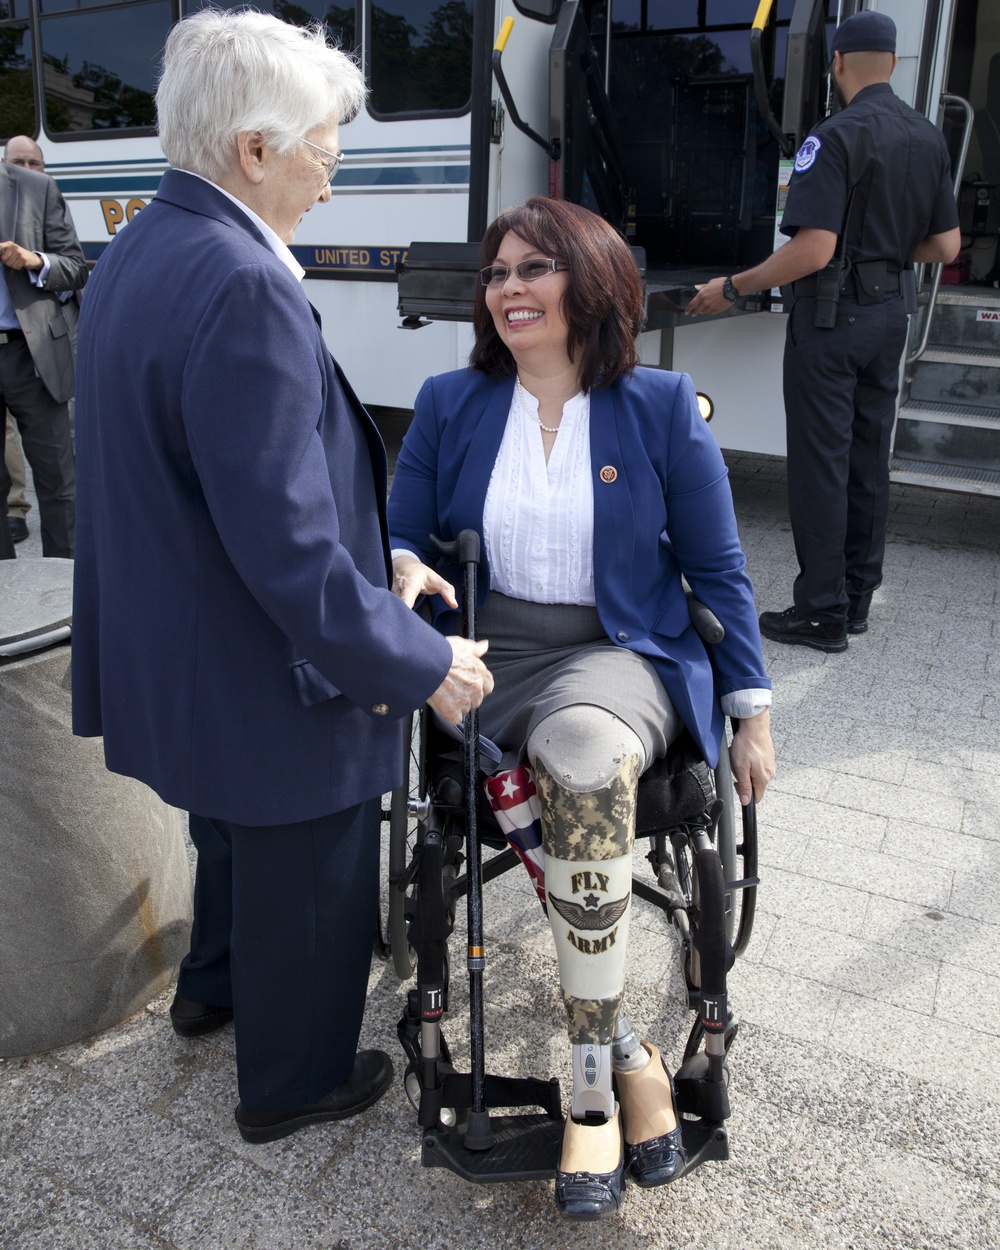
{"x":444,"y":844}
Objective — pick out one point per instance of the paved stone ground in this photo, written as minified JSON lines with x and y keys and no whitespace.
{"x":866,"y":1078}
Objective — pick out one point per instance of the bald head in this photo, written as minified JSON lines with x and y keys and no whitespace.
{"x":21,"y":150}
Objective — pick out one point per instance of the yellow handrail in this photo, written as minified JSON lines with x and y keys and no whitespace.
{"x":763,"y":13}
{"x":508,"y":26}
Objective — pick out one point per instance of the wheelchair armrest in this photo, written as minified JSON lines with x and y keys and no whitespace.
{"x":704,"y":620}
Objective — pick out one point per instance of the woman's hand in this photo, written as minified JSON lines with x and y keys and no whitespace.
{"x":751,"y":756}
{"x":411,"y":579}
{"x":468,"y":682}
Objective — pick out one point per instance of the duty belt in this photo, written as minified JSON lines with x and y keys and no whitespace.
{"x":807,"y":286}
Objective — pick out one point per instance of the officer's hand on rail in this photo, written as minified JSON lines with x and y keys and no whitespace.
{"x":708,"y":299}
{"x":751,"y":756}
{"x":411,"y":579}
{"x":469,"y":681}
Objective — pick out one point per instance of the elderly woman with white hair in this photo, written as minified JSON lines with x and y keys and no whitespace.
{"x":235,"y":638}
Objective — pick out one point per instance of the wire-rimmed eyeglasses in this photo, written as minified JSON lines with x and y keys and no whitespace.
{"x":527,"y":271}
{"x":334,"y":159}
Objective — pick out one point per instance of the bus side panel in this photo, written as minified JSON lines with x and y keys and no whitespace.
{"x":385,"y":365}
{"x":737,"y":362}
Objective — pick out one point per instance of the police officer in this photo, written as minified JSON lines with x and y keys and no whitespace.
{"x":871,"y":193}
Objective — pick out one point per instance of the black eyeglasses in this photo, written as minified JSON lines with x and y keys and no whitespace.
{"x":527,"y":271}
{"x":334,"y":159}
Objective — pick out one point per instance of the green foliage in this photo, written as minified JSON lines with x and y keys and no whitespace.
{"x":431,"y":72}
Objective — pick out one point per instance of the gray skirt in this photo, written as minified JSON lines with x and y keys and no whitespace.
{"x":548,"y":656}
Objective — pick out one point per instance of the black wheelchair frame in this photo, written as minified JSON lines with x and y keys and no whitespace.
{"x":705,"y":884}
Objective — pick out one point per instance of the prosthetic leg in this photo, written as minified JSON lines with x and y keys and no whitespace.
{"x":587,"y":836}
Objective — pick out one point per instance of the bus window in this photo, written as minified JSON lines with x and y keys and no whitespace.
{"x":17,"y":97}
{"x":338,"y":18}
{"x":99,"y":65}
{"x":419,"y":57}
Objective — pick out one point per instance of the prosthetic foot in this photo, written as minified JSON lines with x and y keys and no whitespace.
{"x":590,"y":1180}
{"x":654,"y":1153}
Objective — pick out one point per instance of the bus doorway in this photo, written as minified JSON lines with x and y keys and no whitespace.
{"x":699,"y":161}
{"x":948,"y":429}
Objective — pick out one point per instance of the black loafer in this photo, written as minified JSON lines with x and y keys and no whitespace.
{"x":590,"y":1195}
{"x":191,"y":1019}
{"x":17,"y":527}
{"x":367,"y":1083}
{"x":659,"y":1160}
{"x":790,"y":627}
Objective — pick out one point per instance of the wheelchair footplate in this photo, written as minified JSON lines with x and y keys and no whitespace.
{"x":519,"y":1147}
{"x":525,"y":1148}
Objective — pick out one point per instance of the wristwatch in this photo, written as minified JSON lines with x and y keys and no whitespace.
{"x":729,"y":291}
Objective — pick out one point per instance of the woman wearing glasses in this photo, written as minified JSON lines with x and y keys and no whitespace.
{"x":235,"y":638}
{"x":594,"y":485}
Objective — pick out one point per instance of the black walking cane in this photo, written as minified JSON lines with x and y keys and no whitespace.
{"x":479,"y":1133}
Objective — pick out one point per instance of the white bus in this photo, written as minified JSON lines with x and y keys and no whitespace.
{"x":674,"y":118}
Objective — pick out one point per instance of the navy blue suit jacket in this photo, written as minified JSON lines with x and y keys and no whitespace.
{"x":667,"y":510}
{"x":234,"y":639}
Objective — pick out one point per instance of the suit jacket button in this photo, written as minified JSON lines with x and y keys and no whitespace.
{"x":622,"y":636}
{"x":380,"y":709}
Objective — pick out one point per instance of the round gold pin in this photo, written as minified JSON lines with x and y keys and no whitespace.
{"x":609,"y":473}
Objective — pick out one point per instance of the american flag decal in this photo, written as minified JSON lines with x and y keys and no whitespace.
{"x":515,"y":804}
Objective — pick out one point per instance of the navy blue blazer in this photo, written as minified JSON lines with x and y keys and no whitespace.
{"x":234,"y":637}
{"x":666,"y":510}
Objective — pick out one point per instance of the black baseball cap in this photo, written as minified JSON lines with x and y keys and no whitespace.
{"x":865,"y":32}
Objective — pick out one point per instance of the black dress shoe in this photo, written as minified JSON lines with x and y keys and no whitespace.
{"x":367,"y":1083}
{"x":17,"y":527}
{"x":192,"y":1019}
{"x":659,"y":1160}
{"x":591,"y":1195}
{"x":790,"y":627}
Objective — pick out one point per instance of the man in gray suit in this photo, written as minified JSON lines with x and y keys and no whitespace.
{"x":23,"y":151}
{"x":41,"y":257}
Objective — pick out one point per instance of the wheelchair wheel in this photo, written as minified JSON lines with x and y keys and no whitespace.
{"x":402,"y":838}
{"x":738,"y":852}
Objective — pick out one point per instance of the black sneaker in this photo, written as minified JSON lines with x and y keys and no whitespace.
{"x":790,"y":627}
{"x":857,"y":624}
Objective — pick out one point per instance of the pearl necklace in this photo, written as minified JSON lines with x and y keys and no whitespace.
{"x":549,"y":429}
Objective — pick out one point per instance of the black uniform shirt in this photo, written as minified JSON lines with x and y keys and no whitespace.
{"x":899,"y":163}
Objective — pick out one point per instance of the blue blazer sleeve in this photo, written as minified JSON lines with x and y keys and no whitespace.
{"x":702,"y":533}
{"x":254,"y":433}
{"x":412,"y":510}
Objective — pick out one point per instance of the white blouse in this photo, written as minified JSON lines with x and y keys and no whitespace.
{"x":538,"y":520}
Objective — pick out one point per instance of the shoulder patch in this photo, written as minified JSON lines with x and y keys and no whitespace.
{"x":807,"y":153}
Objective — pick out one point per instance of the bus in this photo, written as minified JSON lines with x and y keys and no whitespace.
{"x":678,"y":120}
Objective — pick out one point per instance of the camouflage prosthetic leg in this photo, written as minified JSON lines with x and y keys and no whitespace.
{"x":587,"y":836}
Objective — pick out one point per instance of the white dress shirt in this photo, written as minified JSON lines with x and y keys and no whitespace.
{"x":538,"y":520}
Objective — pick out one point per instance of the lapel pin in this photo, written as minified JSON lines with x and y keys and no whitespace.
{"x":609,"y":473}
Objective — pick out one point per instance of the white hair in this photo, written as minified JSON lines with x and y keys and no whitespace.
{"x":226,"y":72}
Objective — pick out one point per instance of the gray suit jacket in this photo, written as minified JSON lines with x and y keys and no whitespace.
{"x":33,"y":214}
